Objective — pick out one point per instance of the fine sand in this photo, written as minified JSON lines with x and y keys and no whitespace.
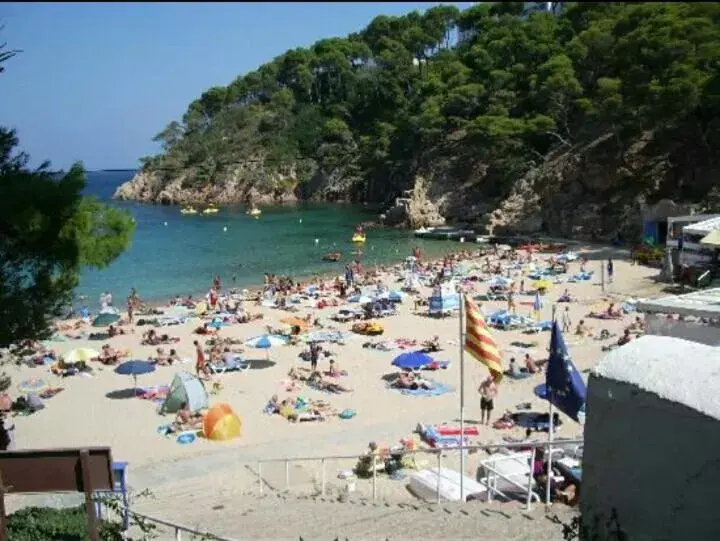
{"x":94,"y":411}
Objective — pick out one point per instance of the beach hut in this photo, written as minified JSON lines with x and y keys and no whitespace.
{"x":652,"y":436}
{"x":185,"y":388}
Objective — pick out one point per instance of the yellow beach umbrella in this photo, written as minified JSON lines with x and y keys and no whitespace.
{"x":541,"y":284}
{"x":81,"y":355}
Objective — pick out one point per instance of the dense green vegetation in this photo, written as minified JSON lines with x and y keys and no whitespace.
{"x":488,"y":84}
{"x":48,"y":232}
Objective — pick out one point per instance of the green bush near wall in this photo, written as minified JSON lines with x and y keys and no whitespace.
{"x":48,"y":524}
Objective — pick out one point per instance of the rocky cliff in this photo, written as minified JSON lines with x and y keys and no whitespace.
{"x":594,"y":191}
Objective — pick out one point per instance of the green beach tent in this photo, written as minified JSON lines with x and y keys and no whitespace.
{"x":185,"y":388}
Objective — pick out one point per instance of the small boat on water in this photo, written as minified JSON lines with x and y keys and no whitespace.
{"x":358,"y":237}
{"x":254,"y":212}
{"x":332,"y":256}
{"x":212,"y":209}
{"x":188,"y":210}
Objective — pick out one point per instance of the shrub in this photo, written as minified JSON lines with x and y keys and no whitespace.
{"x":46,"y":524}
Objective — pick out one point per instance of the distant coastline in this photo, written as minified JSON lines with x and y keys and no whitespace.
{"x":115,"y":171}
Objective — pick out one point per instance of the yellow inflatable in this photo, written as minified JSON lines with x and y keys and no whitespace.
{"x":358,"y":238}
{"x":220,"y":423}
{"x":201,"y":308}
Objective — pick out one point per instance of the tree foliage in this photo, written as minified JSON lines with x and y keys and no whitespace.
{"x":48,"y":232}
{"x":491,"y":83}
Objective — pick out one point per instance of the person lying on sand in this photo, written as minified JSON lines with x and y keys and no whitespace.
{"x":205,"y":328}
{"x":186,"y":419}
{"x":408,"y":380}
{"x":115,"y":331}
{"x":432,"y":346}
{"x":321,"y":384}
{"x":67,"y":327}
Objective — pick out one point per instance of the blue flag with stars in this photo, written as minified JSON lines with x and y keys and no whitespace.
{"x":563,"y":383}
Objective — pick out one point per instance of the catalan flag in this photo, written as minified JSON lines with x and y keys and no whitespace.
{"x":478,"y":341}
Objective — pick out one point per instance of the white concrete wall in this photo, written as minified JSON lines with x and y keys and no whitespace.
{"x":653,"y":462}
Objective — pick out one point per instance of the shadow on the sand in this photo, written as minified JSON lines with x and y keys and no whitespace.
{"x":260,"y":364}
{"x":122,"y":394}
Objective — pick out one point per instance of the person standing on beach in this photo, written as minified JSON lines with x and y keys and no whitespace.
{"x":488,"y":392}
{"x":566,"y":321}
{"x":610,"y":270}
{"x":200,"y":364}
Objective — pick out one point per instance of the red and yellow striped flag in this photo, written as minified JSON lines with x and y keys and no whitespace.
{"x":479,"y":342}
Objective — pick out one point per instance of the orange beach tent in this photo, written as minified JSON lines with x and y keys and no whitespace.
{"x":221,"y":423}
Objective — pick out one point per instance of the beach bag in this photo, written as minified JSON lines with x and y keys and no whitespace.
{"x":347,"y":414}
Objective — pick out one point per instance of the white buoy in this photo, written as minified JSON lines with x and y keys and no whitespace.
{"x":300,"y":220}
{"x":225,"y":228}
{"x":165,"y":223}
{"x":317,"y":241}
{"x":462,"y":239}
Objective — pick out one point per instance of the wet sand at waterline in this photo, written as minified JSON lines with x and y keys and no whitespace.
{"x":94,"y":411}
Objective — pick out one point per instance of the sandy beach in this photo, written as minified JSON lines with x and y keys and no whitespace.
{"x":101,"y":410}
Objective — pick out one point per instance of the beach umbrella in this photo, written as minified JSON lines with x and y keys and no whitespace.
{"x":412,"y":360}
{"x":542,"y":284}
{"x":266,"y":341}
{"x":135,"y":368}
{"x":32,"y":385}
{"x":103,"y":320}
{"x":82,"y":355}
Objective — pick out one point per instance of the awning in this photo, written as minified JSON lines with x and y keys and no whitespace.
{"x":712,"y":239}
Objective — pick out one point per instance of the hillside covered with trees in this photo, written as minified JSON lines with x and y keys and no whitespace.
{"x":490,"y":114}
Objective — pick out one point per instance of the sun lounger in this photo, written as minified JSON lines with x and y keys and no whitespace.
{"x":238,"y":364}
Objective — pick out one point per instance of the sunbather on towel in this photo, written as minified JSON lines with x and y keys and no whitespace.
{"x":637,"y":326}
{"x":321,"y":384}
{"x":408,"y":380}
{"x":432,"y":346}
{"x":186,"y":419}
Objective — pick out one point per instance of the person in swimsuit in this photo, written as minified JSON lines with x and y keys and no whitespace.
{"x":488,"y":392}
{"x":200,"y":364}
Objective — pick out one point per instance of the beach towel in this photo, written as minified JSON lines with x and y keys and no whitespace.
{"x":437,"y":390}
{"x":155,"y":393}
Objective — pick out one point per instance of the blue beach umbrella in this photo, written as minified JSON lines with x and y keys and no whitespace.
{"x":266,"y":341}
{"x":135,"y":368}
{"x":413,"y":360}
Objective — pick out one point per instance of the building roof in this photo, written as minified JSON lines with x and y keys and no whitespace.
{"x":677,"y":370}
{"x":704,"y":227}
{"x":705,"y":303}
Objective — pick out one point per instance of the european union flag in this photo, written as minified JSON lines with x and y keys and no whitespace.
{"x":563,"y":384}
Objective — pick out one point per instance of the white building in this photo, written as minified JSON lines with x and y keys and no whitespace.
{"x":687,"y":233}
{"x":652,"y":435}
{"x":691,"y":306}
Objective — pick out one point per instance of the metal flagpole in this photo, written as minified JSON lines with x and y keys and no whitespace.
{"x":551,"y":429}
{"x":462,"y":397}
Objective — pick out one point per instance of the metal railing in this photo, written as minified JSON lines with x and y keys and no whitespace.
{"x":491,"y":477}
{"x":179,"y":529}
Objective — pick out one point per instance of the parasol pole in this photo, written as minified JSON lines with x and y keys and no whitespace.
{"x":462,"y":398}
{"x":551,"y":429}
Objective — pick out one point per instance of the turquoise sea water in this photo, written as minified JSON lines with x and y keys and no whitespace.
{"x":172,"y":254}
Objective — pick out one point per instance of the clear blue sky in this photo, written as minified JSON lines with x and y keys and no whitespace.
{"x":95,"y":82}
